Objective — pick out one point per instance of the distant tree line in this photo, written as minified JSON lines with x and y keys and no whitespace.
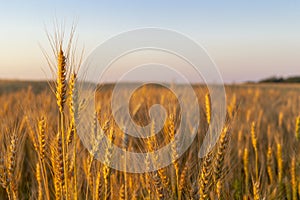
{"x":294,"y":79}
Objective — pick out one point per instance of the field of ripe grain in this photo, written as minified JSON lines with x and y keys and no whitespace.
{"x":256,"y":156}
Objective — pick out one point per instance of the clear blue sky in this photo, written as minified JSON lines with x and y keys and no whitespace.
{"x":248,"y":40}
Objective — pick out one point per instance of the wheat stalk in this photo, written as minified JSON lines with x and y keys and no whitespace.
{"x":205,"y":176}
{"x":297,"y":129}
{"x":219,"y":159}
{"x":270,"y":164}
{"x":12,"y":188}
{"x":294,"y":179}
{"x":246,"y":169}
{"x":208,"y":108}
{"x":39,"y":181}
{"x":279,"y":162}
{"x":254,"y":144}
{"x":256,"y":191}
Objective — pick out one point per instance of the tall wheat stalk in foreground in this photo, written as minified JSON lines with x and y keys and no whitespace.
{"x":66,"y":93}
{"x":61,"y":90}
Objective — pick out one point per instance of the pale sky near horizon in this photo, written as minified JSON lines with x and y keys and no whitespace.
{"x":248,"y":40}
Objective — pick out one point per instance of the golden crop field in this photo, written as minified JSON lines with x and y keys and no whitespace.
{"x":256,"y":156}
{"x":48,"y":152}
{"x":150,"y":100}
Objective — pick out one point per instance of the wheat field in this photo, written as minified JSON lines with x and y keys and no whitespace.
{"x":256,"y":155}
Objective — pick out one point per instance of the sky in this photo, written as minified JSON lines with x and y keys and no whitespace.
{"x":247,"y":40}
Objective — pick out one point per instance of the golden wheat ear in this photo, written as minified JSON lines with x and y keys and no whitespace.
{"x":73,"y":107}
{"x":208,"y":108}
{"x":42,"y":138}
{"x":205,"y":178}
{"x":219,"y":159}
{"x":61,"y":81}
{"x":256,"y":191}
